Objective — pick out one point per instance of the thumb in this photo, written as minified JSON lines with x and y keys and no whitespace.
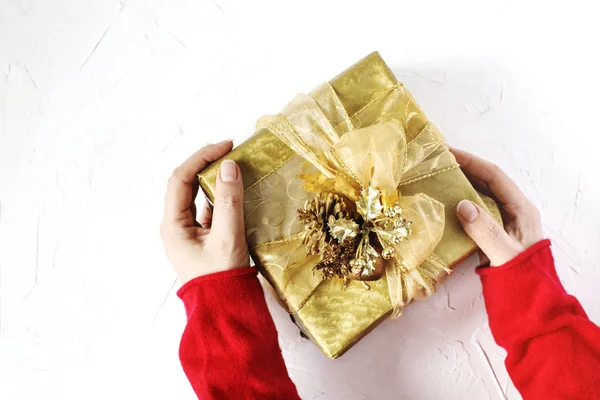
{"x":491,"y":238}
{"x":228,"y":212}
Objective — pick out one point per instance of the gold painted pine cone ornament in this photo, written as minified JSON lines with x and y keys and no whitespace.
{"x":352,"y":244}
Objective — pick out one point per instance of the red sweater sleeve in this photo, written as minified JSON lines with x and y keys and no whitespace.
{"x":553,"y":348}
{"x":229,"y":348}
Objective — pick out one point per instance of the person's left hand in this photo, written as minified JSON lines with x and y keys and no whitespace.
{"x":205,"y":245}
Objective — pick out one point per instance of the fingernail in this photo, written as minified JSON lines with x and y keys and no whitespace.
{"x":225,"y":141}
{"x":467,"y":211}
{"x":228,"y":171}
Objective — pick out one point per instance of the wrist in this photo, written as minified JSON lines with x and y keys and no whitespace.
{"x":214,"y":276}
{"x":519,"y":258}
{"x":189,"y":275}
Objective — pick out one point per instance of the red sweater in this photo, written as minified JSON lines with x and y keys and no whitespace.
{"x":229,"y":349}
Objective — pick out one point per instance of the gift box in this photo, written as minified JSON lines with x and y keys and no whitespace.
{"x":356,"y":135}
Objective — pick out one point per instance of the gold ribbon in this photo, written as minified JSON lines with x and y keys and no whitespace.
{"x":348,"y":158}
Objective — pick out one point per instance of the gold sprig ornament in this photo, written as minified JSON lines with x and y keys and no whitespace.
{"x":353,"y":245}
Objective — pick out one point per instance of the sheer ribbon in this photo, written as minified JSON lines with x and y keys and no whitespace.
{"x":345,"y":157}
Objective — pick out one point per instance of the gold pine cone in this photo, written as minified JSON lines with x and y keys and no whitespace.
{"x":314,"y":216}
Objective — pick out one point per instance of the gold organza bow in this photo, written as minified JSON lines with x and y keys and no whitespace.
{"x":373,"y":161}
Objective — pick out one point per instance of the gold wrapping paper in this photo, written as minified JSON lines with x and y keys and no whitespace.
{"x":364,"y":95}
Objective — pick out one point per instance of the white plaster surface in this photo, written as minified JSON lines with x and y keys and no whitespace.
{"x":100,"y":100}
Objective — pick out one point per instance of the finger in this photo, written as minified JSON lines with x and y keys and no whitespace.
{"x":487,"y":233}
{"x":183,"y":183}
{"x":500,"y":185}
{"x":205,"y":216}
{"x":228,"y":211}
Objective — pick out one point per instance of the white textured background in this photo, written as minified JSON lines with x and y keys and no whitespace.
{"x":100,"y":100}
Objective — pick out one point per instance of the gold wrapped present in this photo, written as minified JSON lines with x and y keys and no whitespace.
{"x":361,"y":136}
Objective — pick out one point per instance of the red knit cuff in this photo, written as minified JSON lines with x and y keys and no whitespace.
{"x":517,"y":261}
{"x":232,"y":273}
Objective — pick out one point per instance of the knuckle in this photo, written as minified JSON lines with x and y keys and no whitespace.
{"x":229,"y":201}
{"x":518,"y":209}
{"x":495,"y":168}
{"x":494,"y":171}
{"x":170,"y":233}
{"x":176,"y":174}
{"x":490,"y":231}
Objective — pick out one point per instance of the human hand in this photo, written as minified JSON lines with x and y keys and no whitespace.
{"x":522,"y":221}
{"x":209,"y":243}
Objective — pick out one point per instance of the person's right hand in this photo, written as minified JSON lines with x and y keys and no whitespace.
{"x":522,"y":221}
{"x":204,"y":244}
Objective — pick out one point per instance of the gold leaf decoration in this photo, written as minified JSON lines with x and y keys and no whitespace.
{"x":369,"y":204}
{"x":340,"y":229}
{"x":391,"y":229}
